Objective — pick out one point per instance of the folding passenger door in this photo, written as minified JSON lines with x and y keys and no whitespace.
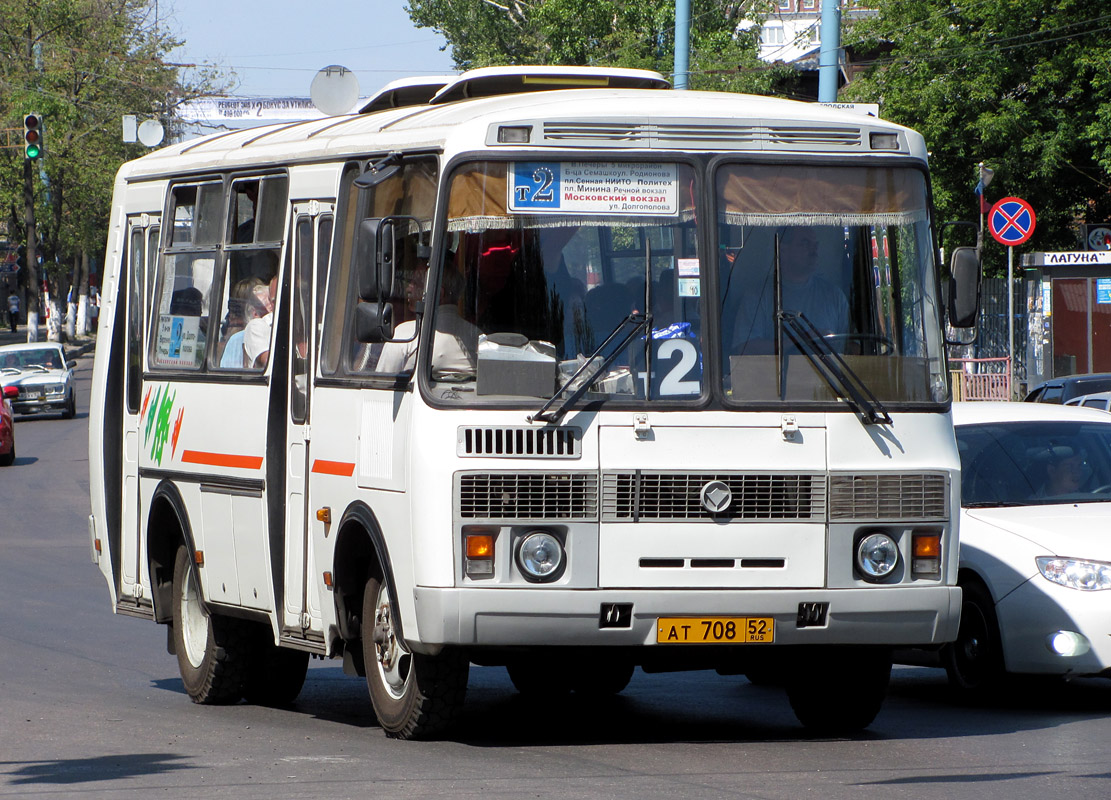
{"x":142,"y":249}
{"x":312,"y":236}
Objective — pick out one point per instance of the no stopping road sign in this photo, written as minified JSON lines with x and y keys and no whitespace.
{"x":1011,"y":221}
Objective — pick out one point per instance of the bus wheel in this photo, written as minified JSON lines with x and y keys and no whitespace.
{"x":414,"y":696}
{"x":274,"y":675}
{"x":842,"y":692}
{"x":211,"y":650}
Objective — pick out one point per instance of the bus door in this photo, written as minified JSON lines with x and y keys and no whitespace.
{"x":312,"y":237}
{"x":142,"y":245}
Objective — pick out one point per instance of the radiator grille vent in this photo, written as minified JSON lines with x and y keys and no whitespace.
{"x":700,"y":135}
{"x":528,"y":495}
{"x":523,"y":442}
{"x":649,"y":496}
{"x":896,"y":497}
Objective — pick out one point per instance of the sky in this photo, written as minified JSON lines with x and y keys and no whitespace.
{"x":276,"y":47}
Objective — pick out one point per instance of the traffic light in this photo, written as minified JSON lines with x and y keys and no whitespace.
{"x":32,"y":136}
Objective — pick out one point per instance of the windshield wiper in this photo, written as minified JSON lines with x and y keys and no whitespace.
{"x":845,"y":383}
{"x":637,"y":321}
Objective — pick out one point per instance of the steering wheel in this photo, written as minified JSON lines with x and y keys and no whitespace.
{"x":872,"y":344}
{"x":1102,"y":489}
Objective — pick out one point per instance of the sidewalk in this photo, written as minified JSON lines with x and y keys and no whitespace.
{"x":74,"y":349}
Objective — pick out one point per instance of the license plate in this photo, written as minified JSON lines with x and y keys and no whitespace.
{"x":31,"y":394}
{"x":715,"y":630}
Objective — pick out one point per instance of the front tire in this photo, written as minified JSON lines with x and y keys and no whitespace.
{"x":211,"y":650}
{"x":8,"y":459}
{"x":414,"y":696}
{"x":71,"y":407}
{"x":974,"y":662}
{"x":842,"y":692}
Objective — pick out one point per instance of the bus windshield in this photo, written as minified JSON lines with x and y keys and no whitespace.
{"x":558,"y":274}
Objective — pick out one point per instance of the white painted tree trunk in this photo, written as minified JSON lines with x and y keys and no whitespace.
{"x":32,"y":326}
{"x":83,"y":315}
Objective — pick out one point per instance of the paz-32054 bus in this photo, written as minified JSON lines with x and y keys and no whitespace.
{"x":553,"y":368}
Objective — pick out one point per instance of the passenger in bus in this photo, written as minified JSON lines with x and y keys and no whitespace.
{"x":242,"y":307}
{"x":803,"y":289}
{"x":256,"y":336}
{"x":455,"y":342}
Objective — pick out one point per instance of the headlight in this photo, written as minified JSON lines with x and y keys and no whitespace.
{"x":56,"y":389}
{"x":876,"y":556}
{"x":1087,"y":576}
{"x":540,"y":556}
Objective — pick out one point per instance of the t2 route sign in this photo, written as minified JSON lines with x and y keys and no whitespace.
{"x":1011,"y":221}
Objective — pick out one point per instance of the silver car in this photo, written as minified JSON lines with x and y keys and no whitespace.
{"x":44,"y":377}
{"x":1035,"y":555}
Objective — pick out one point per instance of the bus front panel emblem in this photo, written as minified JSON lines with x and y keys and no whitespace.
{"x":716,"y":496}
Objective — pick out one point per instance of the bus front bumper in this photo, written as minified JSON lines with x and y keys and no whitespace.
{"x":896,"y":616}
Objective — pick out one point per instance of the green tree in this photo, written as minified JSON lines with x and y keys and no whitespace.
{"x":1021,"y":85}
{"x":616,"y":33}
{"x":82,"y":64}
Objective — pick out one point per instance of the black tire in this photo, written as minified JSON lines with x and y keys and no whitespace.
{"x":274,"y":675}
{"x":212,"y":651}
{"x":71,"y":407}
{"x":9,"y":459}
{"x":842,"y":690}
{"x":603,"y":678}
{"x":974,"y":662}
{"x":534,"y":676}
{"x":414,"y":696}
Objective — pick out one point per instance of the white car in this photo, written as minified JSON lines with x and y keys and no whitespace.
{"x":1100,"y":400}
{"x":1035,"y":552}
{"x":43,"y":375}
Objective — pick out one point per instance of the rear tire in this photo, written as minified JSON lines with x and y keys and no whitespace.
{"x":414,"y":696}
{"x":843,"y":693}
{"x":212,"y":651}
{"x":9,"y":459}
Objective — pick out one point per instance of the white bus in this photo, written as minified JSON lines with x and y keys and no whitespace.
{"x":560,"y":370}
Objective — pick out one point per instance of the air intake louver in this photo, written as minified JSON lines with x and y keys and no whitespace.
{"x":701,"y":135}
{"x":648,"y":496}
{"x":888,"y":497}
{"x":520,"y":442}
{"x":528,"y":495}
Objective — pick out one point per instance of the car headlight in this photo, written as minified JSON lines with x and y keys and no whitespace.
{"x":540,"y":556}
{"x":57,"y":388}
{"x":876,"y":556}
{"x":1075,"y":573}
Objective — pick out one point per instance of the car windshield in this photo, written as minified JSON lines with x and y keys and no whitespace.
{"x":46,"y":357}
{"x":1034,"y":463}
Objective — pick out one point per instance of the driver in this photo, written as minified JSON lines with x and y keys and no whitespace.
{"x":804,"y":290}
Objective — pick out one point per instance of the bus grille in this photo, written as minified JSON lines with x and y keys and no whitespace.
{"x":655,"y":496}
{"x":522,"y":442}
{"x":888,"y":496}
{"x":700,"y":135}
{"x":528,"y":495}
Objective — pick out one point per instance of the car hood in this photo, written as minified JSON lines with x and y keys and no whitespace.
{"x":34,"y":378}
{"x":1081,"y":529}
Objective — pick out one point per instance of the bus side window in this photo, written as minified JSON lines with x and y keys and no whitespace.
{"x":180,"y":322}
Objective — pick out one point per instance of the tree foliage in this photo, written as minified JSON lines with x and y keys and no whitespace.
{"x":1021,"y":85}
{"x":82,"y":65}
{"x":616,"y":33}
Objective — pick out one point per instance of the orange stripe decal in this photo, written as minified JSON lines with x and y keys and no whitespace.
{"x":343,"y":468}
{"x":221,"y":459}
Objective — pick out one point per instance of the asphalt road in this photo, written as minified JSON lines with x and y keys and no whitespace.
{"x":91,"y":706}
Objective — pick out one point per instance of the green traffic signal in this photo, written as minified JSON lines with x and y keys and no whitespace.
{"x":32,"y":136}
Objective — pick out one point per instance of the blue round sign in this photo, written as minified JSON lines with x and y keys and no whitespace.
{"x":1011,"y":221}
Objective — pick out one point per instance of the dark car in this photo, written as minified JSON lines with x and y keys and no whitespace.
{"x":1066,"y":387}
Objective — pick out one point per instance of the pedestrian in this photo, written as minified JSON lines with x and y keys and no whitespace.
{"x":13,"y":310}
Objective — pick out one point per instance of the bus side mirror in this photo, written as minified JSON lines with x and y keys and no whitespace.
{"x":375,"y":256}
{"x":373,"y":322}
{"x":964,"y":287}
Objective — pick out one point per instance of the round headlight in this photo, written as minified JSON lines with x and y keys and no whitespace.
{"x":540,"y":556}
{"x":876,"y":556}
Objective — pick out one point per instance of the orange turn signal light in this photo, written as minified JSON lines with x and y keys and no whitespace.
{"x":480,"y":545}
{"x":927,"y":545}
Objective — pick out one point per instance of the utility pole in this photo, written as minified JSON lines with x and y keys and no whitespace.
{"x":682,"y":43}
{"x":829,"y":57}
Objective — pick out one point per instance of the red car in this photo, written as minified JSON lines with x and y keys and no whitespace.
{"x":7,"y":427}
